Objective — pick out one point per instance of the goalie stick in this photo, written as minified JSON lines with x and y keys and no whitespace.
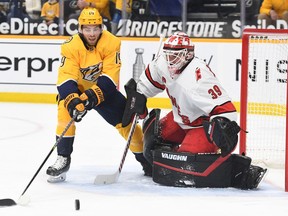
{"x":160,"y":45}
{"x":113,"y":178}
{"x":24,"y":200}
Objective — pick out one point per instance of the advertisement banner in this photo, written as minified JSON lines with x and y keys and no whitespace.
{"x":230,"y":28}
{"x":31,"y":64}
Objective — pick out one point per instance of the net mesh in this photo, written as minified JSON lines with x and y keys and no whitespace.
{"x":266,"y":95}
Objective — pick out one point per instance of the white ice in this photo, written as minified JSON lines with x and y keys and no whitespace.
{"x":27,"y":136}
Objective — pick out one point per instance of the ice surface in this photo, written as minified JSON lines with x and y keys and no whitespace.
{"x":27,"y":135}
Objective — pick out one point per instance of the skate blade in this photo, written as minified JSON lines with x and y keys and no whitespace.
{"x":57,"y":179}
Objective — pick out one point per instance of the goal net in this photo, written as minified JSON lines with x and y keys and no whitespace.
{"x":263,"y":101}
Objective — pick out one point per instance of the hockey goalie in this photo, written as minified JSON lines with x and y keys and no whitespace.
{"x":185,"y":169}
{"x":192,"y":145}
{"x":172,"y":166}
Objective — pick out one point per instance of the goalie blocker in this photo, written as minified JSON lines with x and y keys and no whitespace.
{"x":136,"y":103}
{"x":195,"y":170}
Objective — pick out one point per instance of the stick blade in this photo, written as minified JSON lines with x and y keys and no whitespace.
{"x":7,"y":202}
{"x":106,"y":179}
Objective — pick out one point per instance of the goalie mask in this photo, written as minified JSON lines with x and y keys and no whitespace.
{"x":178,"y":51}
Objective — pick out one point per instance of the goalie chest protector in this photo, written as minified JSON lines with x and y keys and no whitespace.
{"x":192,"y":170}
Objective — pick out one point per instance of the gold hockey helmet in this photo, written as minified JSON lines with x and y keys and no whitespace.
{"x":89,"y":16}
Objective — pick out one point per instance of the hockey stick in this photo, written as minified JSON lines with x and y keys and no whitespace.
{"x":24,"y":200}
{"x":112,"y":178}
{"x":160,"y":46}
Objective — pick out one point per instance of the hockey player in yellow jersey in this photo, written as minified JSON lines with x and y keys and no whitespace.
{"x":88,"y":78}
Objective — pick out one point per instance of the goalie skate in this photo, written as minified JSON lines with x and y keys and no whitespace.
{"x":57,"y":179}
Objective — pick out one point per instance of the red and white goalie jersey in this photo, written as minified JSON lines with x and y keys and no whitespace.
{"x":195,"y":94}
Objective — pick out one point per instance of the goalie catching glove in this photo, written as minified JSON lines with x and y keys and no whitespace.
{"x":92,"y":97}
{"x":135,"y":104}
{"x":223,"y":133}
{"x":75,"y":106}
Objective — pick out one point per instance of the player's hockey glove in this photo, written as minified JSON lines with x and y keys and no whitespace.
{"x":92,"y":97}
{"x":223,"y":133}
{"x":135,"y":104}
{"x":75,"y":106}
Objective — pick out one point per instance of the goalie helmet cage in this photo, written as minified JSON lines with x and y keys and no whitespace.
{"x":263,"y":100}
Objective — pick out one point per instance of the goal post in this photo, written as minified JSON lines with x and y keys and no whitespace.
{"x":263,"y":99}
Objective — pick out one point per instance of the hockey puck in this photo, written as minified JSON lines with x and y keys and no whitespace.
{"x":77,"y":204}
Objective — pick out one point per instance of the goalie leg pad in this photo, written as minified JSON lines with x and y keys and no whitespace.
{"x":240,"y":165}
{"x":153,"y":136}
{"x":191,"y":170}
{"x":150,"y":128}
{"x":246,"y":176}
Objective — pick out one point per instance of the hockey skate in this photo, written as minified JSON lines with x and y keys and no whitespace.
{"x":256,"y":174}
{"x":252,"y":177}
{"x":57,"y":172}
